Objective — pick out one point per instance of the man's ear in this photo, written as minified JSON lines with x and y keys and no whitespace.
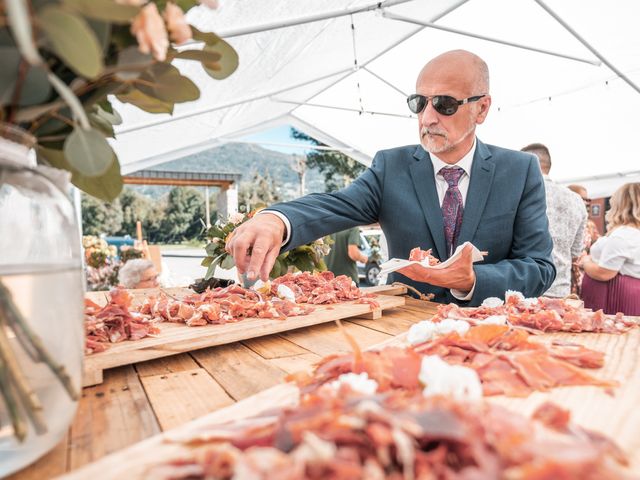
{"x":484,"y":104}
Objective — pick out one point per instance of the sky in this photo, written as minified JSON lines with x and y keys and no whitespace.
{"x":270,"y":139}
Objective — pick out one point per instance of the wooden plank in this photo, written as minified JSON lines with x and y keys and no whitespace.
{"x":327,"y":339}
{"x":160,"y":366}
{"x":239,"y":370}
{"x":134,"y":462}
{"x":399,"y":320}
{"x":118,"y":406}
{"x":274,"y":346}
{"x":298,"y":363}
{"x":52,"y":464}
{"x":179,"y":397}
{"x":178,"y":338}
{"x":385,"y":289}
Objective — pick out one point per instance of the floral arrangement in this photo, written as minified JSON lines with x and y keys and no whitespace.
{"x":307,"y":257}
{"x":102,"y":261}
{"x":63,"y":61}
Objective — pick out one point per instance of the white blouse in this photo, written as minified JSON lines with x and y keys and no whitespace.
{"x":619,"y":251}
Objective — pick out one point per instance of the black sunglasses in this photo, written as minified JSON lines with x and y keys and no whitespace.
{"x":443,"y":104}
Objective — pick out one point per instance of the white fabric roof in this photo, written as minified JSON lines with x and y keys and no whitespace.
{"x":584,"y":112}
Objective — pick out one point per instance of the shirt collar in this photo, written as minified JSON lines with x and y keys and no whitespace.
{"x":464,"y":163}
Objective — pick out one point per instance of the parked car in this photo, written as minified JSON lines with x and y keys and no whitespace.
{"x":119,"y":241}
{"x":370,"y":246}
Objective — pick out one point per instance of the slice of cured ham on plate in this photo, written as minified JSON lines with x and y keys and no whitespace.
{"x":397,"y":263}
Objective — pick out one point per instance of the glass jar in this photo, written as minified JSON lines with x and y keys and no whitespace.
{"x":41,"y":304}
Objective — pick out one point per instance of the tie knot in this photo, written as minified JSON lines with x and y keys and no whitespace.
{"x":452,"y":175}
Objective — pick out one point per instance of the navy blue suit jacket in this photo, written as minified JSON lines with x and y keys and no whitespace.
{"x":504,"y":214}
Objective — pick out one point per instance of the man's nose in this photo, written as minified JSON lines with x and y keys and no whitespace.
{"x":428,"y":115}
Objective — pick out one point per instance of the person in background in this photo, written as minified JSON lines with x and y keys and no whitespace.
{"x":345,"y":253}
{"x":138,"y":273}
{"x":591,"y":234}
{"x":612,"y":271}
{"x":567,"y":221}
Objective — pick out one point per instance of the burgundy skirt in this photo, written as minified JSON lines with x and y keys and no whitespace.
{"x":620,"y":294}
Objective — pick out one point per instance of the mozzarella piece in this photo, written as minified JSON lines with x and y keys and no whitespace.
{"x":358,"y":382}
{"x":286,"y":293}
{"x":456,"y":381}
{"x":492,"y":302}
{"x":423,"y":331}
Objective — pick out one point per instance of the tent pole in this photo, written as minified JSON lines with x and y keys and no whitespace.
{"x":345,"y":109}
{"x":567,"y":27}
{"x":309,"y":19}
{"x":385,"y":81}
{"x":394,"y":16}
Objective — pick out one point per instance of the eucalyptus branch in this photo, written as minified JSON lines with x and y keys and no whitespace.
{"x":26,"y":396}
{"x":17,"y":322}
{"x":23,"y":68}
{"x":8,"y":395}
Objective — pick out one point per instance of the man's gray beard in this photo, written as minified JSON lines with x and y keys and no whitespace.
{"x":431,"y":146}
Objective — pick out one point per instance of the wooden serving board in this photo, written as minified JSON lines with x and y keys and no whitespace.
{"x":616,"y":416}
{"x":176,"y":338}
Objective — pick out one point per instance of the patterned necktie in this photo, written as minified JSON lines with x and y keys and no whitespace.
{"x":452,"y":207}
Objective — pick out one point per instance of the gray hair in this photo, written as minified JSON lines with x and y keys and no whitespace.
{"x":131,"y":272}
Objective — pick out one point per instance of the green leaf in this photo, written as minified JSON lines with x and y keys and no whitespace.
{"x":132,"y":62}
{"x":101,"y":124}
{"x":210,"y":271}
{"x":70,"y":99}
{"x":106,"y":187}
{"x":169,"y":85}
{"x":199,"y":55}
{"x":228,"y":62}
{"x":227,"y":262}
{"x":210,"y":249}
{"x":106,"y":10}
{"x":35,"y":88}
{"x":88,"y":152}
{"x":206,"y":261}
{"x":20,"y":23}
{"x":110,"y":115}
{"x":209,"y":38}
{"x":72,"y":40}
{"x":103,"y":33}
{"x":145,"y":102}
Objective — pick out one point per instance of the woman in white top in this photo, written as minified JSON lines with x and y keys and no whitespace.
{"x":612,"y":271}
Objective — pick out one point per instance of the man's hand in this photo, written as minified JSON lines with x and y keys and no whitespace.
{"x":458,"y":276}
{"x":255,"y":245}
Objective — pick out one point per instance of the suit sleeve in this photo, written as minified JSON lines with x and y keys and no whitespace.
{"x":529,"y":268}
{"x":318,"y":214}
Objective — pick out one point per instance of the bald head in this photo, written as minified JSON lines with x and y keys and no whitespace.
{"x":458,"y":67}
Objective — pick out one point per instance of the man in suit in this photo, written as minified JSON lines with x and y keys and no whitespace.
{"x":450,"y":189}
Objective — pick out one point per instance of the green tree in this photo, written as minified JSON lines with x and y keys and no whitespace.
{"x":135,"y":207}
{"x":338,"y":169}
{"x":152,"y":224}
{"x":182,"y":218}
{"x":100,"y":217}
{"x":259,"y":191}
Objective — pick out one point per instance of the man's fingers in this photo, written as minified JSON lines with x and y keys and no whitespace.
{"x":258,"y":256}
{"x":269,"y":260}
{"x":238,"y":247}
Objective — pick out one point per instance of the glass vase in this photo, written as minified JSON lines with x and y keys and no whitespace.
{"x":41,"y":304}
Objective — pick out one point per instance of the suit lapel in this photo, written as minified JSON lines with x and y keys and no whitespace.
{"x":425,"y":186}
{"x":482,"y":171}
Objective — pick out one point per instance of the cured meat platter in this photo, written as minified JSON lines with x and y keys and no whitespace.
{"x":614,"y":414}
{"x":176,"y":338}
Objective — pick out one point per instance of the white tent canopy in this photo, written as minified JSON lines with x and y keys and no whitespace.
{"x":343,"y":79}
